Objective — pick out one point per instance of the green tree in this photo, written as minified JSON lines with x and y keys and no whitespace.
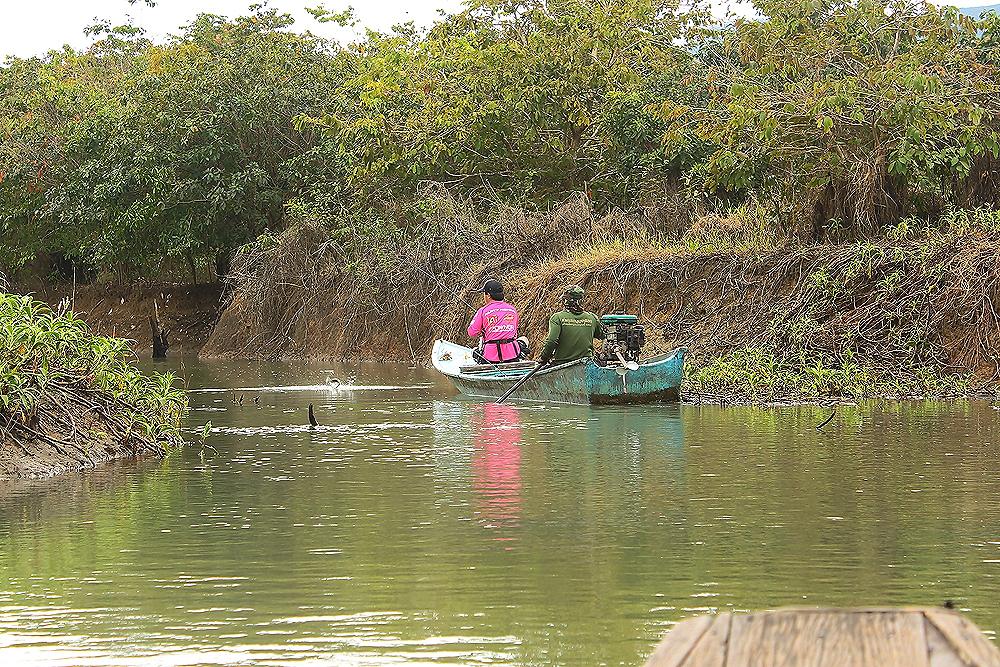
{"x":131,"y":152}
{"x":525,"y":100}
{"x":860,"y":112}
{"x":843,"y":115}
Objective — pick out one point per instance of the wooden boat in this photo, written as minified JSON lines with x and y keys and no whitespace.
{"x":657,"y":380}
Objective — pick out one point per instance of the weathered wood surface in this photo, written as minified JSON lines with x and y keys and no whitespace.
{"x":877,"y":637}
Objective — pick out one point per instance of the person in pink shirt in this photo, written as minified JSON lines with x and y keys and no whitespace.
{"x":496,"y":323}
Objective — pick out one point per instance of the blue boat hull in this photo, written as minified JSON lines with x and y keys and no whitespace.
{"x":657,"y":380}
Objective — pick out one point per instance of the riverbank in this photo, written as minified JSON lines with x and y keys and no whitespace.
{"x":70,"y":399}
{"x":187,"y":312}
{"x":765,"y":317}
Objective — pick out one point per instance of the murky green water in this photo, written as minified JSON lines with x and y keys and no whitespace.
{"x":412,"y":527}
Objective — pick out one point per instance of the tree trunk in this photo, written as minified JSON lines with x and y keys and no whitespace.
{"x":159,"y":334}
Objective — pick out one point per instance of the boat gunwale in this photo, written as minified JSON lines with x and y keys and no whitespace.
{"x":516,"y":375}
{"x":652,"y":362}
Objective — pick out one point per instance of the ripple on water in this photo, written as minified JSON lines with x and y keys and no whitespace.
{"x":413,"y":528}
{"x":329,"y":387}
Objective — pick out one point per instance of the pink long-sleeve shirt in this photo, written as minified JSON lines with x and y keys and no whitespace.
{"x":496,"y":320}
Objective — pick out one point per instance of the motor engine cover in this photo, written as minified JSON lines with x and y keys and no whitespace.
{"x":624,"y":339}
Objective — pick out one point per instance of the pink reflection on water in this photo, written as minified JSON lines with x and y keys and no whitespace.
{"x":496,"y":467}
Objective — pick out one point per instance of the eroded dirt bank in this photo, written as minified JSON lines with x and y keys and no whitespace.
{"x":49,"y":447}
{"x":915,"y":317}
{"x":188,"y":312}
{"x":912,"y":317}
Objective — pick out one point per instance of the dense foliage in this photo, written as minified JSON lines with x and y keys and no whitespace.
{"x":56,"y":376}
{"x":837,"y":118}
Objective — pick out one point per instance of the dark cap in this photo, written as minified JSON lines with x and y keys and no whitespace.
{"x":574,"y":292}
{"x":494,"y":288}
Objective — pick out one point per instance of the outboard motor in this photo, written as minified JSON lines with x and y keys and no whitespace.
{"x":623,"y":340}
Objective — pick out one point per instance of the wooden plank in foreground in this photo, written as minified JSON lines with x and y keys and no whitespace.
{"x":971,"y":647}
{"x":878,"y":637}
{"x":675,"y":647}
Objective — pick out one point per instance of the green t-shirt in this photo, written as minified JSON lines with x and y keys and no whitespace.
{"x":571,"y":336}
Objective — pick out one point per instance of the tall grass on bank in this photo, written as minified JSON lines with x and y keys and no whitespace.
{"x":65,"y":387}
{"x":765,"y":315}
{"x":762,"y":375}
{"x":417,"y":274}
{"x":914,"y":314}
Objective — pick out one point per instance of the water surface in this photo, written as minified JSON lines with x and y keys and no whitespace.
{"x":413,"y":527}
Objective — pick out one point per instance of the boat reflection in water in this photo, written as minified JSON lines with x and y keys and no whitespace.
{"x":496,"y":467}
{"x":512,"y":468}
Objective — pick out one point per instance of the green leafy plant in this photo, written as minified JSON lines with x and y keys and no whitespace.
{"x":58,"y":381}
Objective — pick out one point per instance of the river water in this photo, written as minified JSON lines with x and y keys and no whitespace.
{"x":414,"y":527}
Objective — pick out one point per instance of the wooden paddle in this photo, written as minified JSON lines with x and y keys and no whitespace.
{"x":519,"y":383}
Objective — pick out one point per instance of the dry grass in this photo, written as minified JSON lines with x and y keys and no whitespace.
{"x":393,"y":287}
{"x":917,"y":305}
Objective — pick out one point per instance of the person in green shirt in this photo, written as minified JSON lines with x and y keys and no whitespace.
{"x":571,"y":331}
